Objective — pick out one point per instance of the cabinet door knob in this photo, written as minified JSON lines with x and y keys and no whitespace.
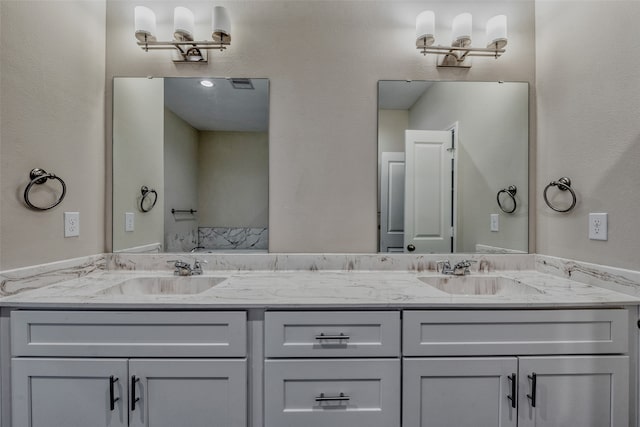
{"x":112,"y":398}
{"x":134,"y":399}
{"x":411,"y":248}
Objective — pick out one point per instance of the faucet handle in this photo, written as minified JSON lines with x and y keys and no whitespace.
{"x":442,"y":265}
{"x":465,"y":263}
{"x":197,"y":266}
{"x":177,"y":263}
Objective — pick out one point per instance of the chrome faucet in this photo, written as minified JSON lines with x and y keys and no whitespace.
{"x":183,"y":268}
{"x":459,"y":269}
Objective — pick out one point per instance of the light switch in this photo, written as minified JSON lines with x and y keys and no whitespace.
{"x":495,"y":222}
{"x":129,"y":221}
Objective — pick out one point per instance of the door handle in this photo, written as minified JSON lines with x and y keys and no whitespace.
{"x":134,"y":399}
{"x":342,"y":336}
{"x":411,"y":248}
{"x":341,"y":397}
{"x":513,"y":397}
{"x":532,"y":397}
{"x":112,"y":398}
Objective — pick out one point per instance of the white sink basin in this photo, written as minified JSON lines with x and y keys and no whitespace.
{"x":479,"y":285}
{"x":177,"y":285}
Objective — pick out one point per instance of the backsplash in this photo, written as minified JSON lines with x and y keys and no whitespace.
{"x":233,"y":238}
{"x":615,"y":279}
{"x":38,"y":276}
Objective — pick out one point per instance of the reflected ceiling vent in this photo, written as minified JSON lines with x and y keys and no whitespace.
{"x":241,"y":83}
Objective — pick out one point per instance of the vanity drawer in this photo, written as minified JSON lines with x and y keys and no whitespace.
{"x":332,"y":334}
{"x":308,"y":393}
{"x":128,"y":334}
{"x":509,"y":332}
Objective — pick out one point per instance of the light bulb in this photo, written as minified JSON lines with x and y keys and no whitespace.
{"x":425,"y":28}
{"x":497,"y":32}
{"x":183,"y":24}
{"x":220,"y":25}
{"x":145,"y":23}
{"x":461,"y":30}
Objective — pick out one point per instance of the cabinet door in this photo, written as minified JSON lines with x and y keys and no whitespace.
{"x":574,"y":391}
{"x":188,"y":392}
{"x":69,"y":392}
{"x":459,"y":392}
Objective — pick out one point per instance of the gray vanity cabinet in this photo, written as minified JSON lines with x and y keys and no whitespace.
{"x":482,"y":369}
{"x":585,"y":391}
{"x":69,"y":392}
{"x":194,"y":393}
{"x":98,"y":392}
{"x":332,"y":369}
{"x":111,"y":369}
{"x":459,"y":392}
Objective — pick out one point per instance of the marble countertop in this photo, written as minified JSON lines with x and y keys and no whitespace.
{"x":318,"y":289}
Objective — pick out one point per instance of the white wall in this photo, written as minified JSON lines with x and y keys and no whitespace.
{"x":323,"y":59}
{"x":52,"y":116}
{"x":588,"y":100}
{"x":233,"y":179}
{"x":180,"y":183}
{"x":491,"y":155}
{"x":138,"y":144}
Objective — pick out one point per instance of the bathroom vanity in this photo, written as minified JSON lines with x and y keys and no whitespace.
{"x":321,"y":348}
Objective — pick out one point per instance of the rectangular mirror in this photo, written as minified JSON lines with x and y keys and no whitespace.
{"x":453,"y":169}
{"x":190,"y":164}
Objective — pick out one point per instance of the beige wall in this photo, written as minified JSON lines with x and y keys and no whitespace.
{"x":180,"y":183}
{"x":323,"y":59}
{"x":233,"y":179}
{"x":588,"y":126}
{"x":491,"y":155}
{"x":52,"y":116}
{"x":138,"y":144}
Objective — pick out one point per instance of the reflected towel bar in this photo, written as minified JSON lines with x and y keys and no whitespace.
{"x":190,"y":211}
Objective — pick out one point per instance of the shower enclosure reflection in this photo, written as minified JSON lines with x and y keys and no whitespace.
{"x":202,"y":145}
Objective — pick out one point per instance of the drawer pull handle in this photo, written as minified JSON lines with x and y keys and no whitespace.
{"x":134,"y":399}
{"x":323,"y":398}
{"x":112,"y":398}
{"x":342,"y":336}
{"x":534,"y":379}
{"x":513,"y":396}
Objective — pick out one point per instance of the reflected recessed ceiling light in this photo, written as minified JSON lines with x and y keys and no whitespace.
{"x":207,"y":83}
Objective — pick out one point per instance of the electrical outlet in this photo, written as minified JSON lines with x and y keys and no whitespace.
{"x":598,"y":226}
{"x":129,"y":218}
{"x":71,"y":224}
{"x":495,"y":222}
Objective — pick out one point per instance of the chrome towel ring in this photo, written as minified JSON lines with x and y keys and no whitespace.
{"x":40,"y":176}
{"x":146,"y":194}
{"x":563,"y":184}
{"x":511,"y":192}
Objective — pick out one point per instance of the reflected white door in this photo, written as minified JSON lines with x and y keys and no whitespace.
{"x":428,"y":209}
{"x":392,"y":202}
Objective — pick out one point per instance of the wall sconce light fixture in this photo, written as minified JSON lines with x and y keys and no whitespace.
{"x":184,"y":43}
{"x":456,"y":54}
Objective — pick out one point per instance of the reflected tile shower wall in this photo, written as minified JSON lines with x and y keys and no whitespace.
{"x":233,"y":238}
